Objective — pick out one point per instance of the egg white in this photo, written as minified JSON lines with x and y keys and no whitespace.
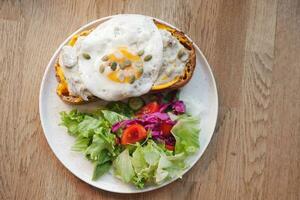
{"x":172,"y":66}
{"x":135,"y":32}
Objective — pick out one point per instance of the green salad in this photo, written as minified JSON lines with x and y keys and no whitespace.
{"x":143,"y":142}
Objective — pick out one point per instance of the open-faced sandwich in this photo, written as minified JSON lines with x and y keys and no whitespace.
{"x":145,"y":138}
{"x":126,"y":56}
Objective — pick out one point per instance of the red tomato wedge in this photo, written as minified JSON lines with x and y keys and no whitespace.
{"x":151,"y":107}
{"x":133,"y":134}
{"x":170,"y":147}
{"x":166,"y":128}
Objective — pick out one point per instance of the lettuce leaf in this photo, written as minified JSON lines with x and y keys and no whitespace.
{"x":151,"y":153}
{"x":100,"y":169}
{"x":170,"y":167}
{"x":93,"y":136}
{"x":71,"y":120}
{"x":113,"y":117}
{"x":102,"y":165}
{"x":145,"y":160}
{"x":138,"y":161}
{"x":186,"y":132}
{"x":81,"y":144}
{"x":151,"y":163}
{"x":86,"y":127}
{"x":99,"y":143}
{"x":123,"y":166}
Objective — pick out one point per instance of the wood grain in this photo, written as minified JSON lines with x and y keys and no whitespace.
{"x":253,"y":47}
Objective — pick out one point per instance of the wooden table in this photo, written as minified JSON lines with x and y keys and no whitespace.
{"x":253,"y":47}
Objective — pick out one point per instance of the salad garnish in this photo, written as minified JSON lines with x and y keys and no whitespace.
{"x":143,"y":142}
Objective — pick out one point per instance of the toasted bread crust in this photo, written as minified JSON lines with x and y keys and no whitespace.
{"x":62,"y":89}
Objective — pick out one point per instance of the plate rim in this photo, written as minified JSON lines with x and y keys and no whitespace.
{"x":49,"y":65}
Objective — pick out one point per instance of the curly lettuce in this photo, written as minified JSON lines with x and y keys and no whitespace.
{"x":94,"y":137}
{"x":150,"y":163}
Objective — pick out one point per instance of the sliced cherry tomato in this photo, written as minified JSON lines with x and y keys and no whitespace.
{"x":170,"y":147}
{"x":133,"y":134}
{"x":151,"y":107}
{"x":166,"y":128}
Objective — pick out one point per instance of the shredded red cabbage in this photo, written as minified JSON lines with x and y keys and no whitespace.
{"x":178,"y":107}
{"x":164,"y":107}
{"x":123,"y":124}
{"x":169,"y":140}
{"x":155,"y":116}
{"x":152,"y":122}
{"x":149,"y":121}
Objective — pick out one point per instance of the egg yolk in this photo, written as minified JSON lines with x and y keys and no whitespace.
{"x":121,"y":56}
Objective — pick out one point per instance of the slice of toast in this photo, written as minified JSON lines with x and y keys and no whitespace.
{"x":62,"y":88}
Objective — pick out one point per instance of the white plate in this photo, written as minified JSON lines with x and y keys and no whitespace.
{"x":201,"y":89}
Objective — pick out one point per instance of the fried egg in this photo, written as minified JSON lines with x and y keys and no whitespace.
{"x":126,"y":56}
{"x":121,"y":58}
